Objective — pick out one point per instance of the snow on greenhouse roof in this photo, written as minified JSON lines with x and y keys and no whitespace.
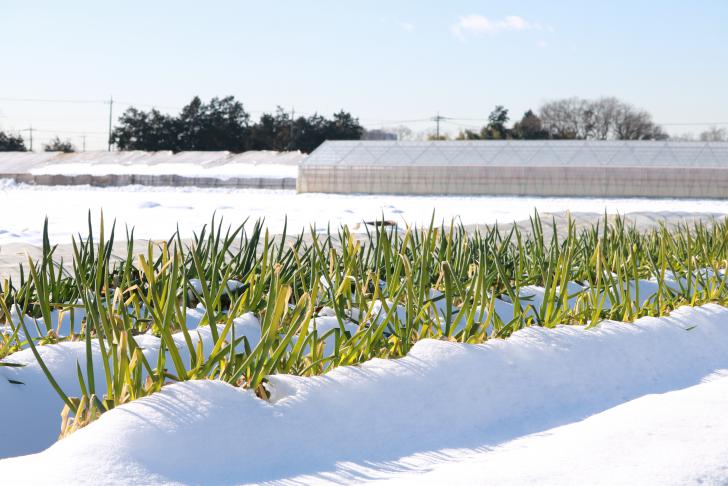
{"x":216,"y":164}
{"x":577,"y":153}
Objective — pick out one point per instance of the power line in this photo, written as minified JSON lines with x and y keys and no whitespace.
{"x":485,"y":120}
{"x":80,"y":101}
{"x":464,"y":125}
{"x":384,"y":122}
{"x":437,"y":118}
{"x":169,"y":107}
{"x":698,"y":124}
{"x":119,"y":102}
{"x":48,"y":100}
{"x":145,"y":105}
{"x":70,"y":132}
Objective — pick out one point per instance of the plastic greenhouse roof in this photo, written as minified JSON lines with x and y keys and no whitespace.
{"x":577,"y":153}
{"x":21,"y":162}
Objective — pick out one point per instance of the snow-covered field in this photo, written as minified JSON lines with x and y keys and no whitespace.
{"x":156,"y":212}
{"x":640,"y":403}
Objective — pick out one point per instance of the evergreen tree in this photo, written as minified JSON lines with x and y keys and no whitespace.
{"x":11,"y":143}
{"x":529,"y":127}
{"x":223,"y":124}
{"x":58,"y":145}
{"x":496,"y":127}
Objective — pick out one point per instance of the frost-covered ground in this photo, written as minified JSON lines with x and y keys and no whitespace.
{"x":157,"y":211}
{"x":640,"y":403}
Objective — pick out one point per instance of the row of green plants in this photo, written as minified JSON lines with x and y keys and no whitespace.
{"x":395,"y":285}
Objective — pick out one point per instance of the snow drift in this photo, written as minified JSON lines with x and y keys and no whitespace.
{"x":674,"y":438}
{"x":355,"y":423}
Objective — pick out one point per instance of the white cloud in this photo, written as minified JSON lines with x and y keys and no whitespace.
{"x":541,"y":44}
{"x":406,"y":26}
{"x":481,"y":25}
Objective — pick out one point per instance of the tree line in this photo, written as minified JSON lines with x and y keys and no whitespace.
{"x":223,"y":124}
{"x":15,"y":143}
{"x":220,"y":124}
{"x":605,"y":118}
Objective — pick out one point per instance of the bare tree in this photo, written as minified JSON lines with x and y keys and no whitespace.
{"x":403,"y":132}
{"x":600,"y":119}
{"x":630,"y":124}
{"x":605,"y":109}
{"x":561,"y":118}
{"x":683,"y":137}
{"x":714,"y":134}
{"x":378,"y":134}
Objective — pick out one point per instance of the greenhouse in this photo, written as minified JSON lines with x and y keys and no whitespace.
{"x":536,"y":168}
{"x":257,"y":169}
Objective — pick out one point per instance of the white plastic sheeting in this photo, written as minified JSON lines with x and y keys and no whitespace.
{"x":219,"y":164}
{"x":542,"y":153}
{"x":521,"y":168}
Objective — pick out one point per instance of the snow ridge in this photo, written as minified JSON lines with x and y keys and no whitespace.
{"x":356,"y":423}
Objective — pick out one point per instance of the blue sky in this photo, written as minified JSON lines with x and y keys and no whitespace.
{"x":385,"y":61}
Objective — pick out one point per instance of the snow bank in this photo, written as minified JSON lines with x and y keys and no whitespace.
{"x":63,"y":322}
{"x":30,"y":408}
{"x":354,"y":423}
{"x":678,"y":438}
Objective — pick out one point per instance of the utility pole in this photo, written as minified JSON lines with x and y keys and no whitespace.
{"x":111,"y":108}
{"x":83,"y":137}
{"x":437,"y":119}
{"x":30,"y":136}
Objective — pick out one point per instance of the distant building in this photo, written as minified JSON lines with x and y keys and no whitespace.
{"x":378,"y":134}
